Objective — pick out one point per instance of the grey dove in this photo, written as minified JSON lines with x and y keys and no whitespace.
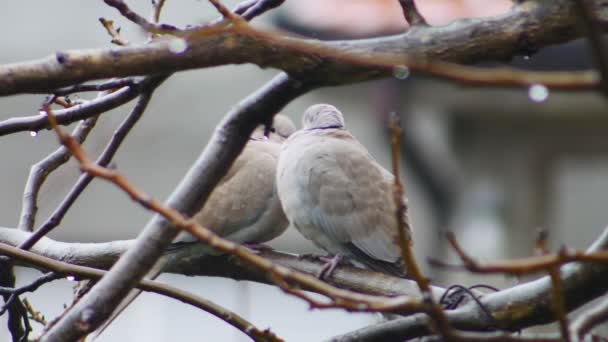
{"x":244,"y":207}
{"x":335,"y":193}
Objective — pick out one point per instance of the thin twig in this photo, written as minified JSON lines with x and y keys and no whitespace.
{"x":595,"y":34}
{"x":404,"y":233}
{"x":259,"y":8}
{"x":157,"y":8}
{"x":40,"y":171}
{"x":83,"y":272}
{"x":109,"y":85}
{"x":104,"y":159}
{"x":522,"y":265}
{"x":92,"y":108}
{"x":31,"y":287}
{"x":590,"y":319}
{"x":35,"y":315}
{"x":225,"y":12}
{"x":139,"y":20}
{"x":18,"y":324}
{"x":558,"y":302}
{"x":113,"y":32}
{"x":411,"y":13}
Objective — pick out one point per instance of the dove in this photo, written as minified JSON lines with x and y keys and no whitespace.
{"x":244,"y":207}
{"x":336,"y":194}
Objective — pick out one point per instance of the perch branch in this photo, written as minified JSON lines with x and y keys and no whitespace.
{"x":194,"y":260}
{"x":82,"y":272}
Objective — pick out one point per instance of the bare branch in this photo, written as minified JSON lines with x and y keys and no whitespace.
{"x":595,"y":33}
{"x":522,"y":265}
{"x":104,"y":159}
{"x":63,"y":268}
{"x":189,"y":196}
{"x":40,"y":171}
{"x":72,"y":114}
{"x":194,"y":260}
{"x":109,"y":85}
{"x":157,"y":6}
{"x":35,"y":315}
{"x":113,"y":32}
{"x":405,"y":239}
{"x":514,"y":308}
{"x":589,"y":320}
{"x":224,"y":11}
{"x":332,"y":63}
{"x":411,"y":13}
{"x":138,"y":19}
{"x":31,"y":287}
{"x":258,"y":8}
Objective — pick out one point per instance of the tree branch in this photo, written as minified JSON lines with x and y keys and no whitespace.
{"x":193,"y":260}
{"x":187,"y":198}
{"x":514,"y":308}
{"x":465,"y":41}
{"x":67,"y":116}
{"x":83,"y":272}
{"x":594,"y":33}
{"x":40,"y":171}
{"x":411,"y":13}
{"x":104,"y":159}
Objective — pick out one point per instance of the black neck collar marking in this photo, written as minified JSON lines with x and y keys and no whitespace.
{"x":327,"y":127}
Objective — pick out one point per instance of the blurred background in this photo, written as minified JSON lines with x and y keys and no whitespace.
{"x":493,"y":165}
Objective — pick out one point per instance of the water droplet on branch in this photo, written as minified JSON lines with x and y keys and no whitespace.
{"x":538,"y":93}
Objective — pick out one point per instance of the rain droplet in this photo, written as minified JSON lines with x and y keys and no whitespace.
{"x":70,"y":278}
{"x":401,"y":72}
{"x":526,"y":57}
{"x":538,"y":93}
{"x":33,"y":133}
{"x":178,"y":45}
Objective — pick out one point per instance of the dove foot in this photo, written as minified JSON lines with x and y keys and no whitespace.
{"x":330,"y":266}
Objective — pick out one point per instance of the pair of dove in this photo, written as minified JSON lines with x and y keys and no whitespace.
{"x":322,"y":180}
{"x":319,"y":178}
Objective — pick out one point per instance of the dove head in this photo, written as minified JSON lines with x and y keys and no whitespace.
{"x":281,"y":129}
{"x":322,"y":116}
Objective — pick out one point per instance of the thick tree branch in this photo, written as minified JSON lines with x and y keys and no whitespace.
{"x":193,"y":260}
{"x":188,"y":198}
{"x":529,"y":26}
{"x":514,"y":308}
{"x":63,"y":268}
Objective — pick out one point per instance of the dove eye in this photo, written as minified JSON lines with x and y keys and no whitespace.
{"x":273,"y":130}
